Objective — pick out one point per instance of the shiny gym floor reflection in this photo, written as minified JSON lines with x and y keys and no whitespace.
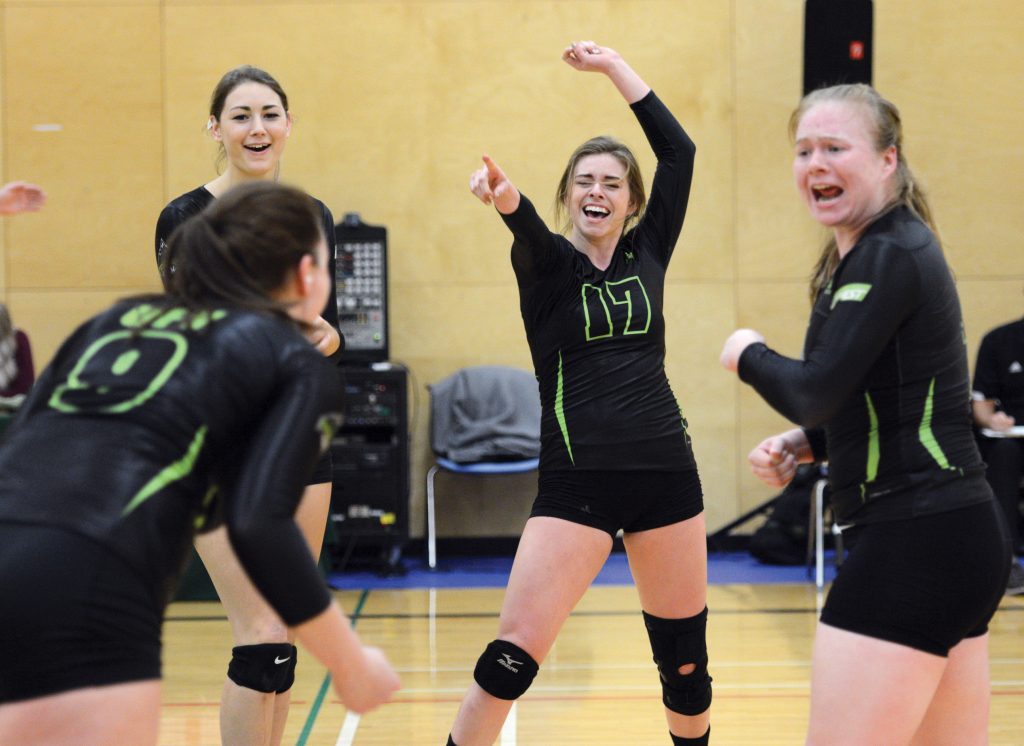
{"x":598,"y":686}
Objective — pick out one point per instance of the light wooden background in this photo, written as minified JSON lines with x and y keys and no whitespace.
{"x":104,"y":103}
{"x":598,"y":687}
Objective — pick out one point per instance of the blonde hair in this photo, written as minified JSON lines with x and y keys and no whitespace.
{"x":884,"y":117}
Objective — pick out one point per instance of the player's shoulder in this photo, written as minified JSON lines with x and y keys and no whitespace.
{"x":188,"y":204}
{"x":325,"y":212}
{"x":258,"y":326}
{"x":900,"y":231}
{"x":897,"y":246}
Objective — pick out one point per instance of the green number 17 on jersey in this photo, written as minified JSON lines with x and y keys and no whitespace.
{"x":629,"y":294}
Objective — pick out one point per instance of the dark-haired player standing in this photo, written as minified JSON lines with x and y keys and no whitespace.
{"x":250,"y":119}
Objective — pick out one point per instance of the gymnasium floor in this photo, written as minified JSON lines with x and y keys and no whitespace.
{"x":597,"y":687}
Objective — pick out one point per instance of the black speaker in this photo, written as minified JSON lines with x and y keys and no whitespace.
{"x":370,"y":495}
{"x":837,"y":42}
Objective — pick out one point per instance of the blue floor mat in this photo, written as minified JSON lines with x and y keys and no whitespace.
{"x":492,"y":572}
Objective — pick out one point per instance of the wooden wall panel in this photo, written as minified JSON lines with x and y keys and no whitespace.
{"x":775,"y":239}
{"x":957,"y":75}
{"x":395,"y":100}
{"x":49,"y":316}
{"x":83,"y":119}
{"x":698,"y":317}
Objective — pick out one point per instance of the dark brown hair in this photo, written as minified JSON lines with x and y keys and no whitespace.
{"x":240,"y":249}
{"x":597,"y":146}
{"x":884,"y":117}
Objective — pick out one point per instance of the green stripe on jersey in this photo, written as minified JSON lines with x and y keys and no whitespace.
{"x":925,"y":434}
{"x":560,"y":411}
{"x":170,"y":473}
{"x":874,"y":448}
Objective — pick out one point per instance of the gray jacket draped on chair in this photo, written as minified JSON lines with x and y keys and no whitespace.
{"x":485,"y":413}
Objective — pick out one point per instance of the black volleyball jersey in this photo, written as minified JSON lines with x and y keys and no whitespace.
{"x":597,"y":337}
{"x":181,"y":208}
{"x":141,"y":432}
{"x":885,"y":372}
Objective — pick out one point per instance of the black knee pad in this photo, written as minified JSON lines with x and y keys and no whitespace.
{"x":505,"y":670}
{"x":269,"y":667}
{"x":676,"y":643}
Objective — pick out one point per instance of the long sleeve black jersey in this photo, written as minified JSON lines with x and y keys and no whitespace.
{"x":141,"y":432}
{"x":597,"y":337}
{"x":181,"y":208}
{"x":885,"y":372}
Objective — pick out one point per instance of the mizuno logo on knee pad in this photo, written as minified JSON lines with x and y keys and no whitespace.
{"x":506,"y":661}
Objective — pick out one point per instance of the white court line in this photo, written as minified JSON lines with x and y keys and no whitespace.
{"x":348,"y":729}
{"x":508,"y":730}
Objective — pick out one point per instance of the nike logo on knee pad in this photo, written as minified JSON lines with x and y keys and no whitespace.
{"x":279,"y":661}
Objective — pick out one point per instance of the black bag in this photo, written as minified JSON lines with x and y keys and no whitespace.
{"x":782,"y":539}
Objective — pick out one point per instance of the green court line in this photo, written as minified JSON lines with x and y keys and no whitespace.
{"x":326,"y":684}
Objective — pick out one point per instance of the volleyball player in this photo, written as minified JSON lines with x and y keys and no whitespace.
{"x":882,"y":393}
{"x":250,"y":119}
{"x":615,"y":453}
{"x":159,"y":417}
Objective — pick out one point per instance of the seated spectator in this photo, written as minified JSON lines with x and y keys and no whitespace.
{"x":16,"y":370}
{"x":998,"y":404}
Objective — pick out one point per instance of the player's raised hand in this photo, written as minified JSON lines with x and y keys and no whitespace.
{"x":20,"y":196}
{"x":491,"y":186}
{"x":590,"y":57}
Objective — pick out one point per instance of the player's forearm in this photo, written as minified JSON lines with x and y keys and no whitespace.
{"x":329,"y":637}
{"x":629,"y":84}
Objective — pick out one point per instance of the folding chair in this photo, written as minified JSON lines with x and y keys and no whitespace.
{"x":484,"y":420}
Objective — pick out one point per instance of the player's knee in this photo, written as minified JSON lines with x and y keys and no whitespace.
{"x":269,"y":667}
{"x":505,"y":670}
{"x":681,"y":653}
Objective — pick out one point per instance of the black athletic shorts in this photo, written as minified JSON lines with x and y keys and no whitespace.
{"x":926,"y":582}
{"x":613,"y":500}
{"x":72,"y":615}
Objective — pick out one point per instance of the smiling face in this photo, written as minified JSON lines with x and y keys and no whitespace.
{"x":253,"y":126}
{"x":599,"y":200}
{"x":842,"y":177}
